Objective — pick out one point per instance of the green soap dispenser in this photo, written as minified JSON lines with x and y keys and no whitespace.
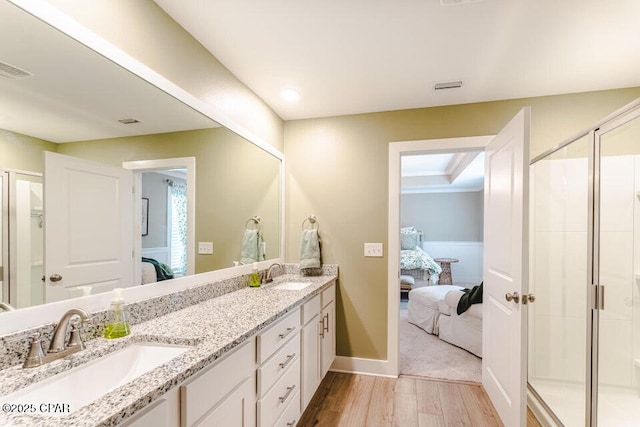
{"x":118,"y":325}
{"x":254,"y":282}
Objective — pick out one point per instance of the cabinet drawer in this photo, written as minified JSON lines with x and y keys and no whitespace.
{"x":269,"y":373}
{"x":328,"y":295}
{"x":271,"y":339}
{"x":203,"y":392}
{"x":310,"y":309}
{"x":280,"y":396}
{"x":291,"y":415}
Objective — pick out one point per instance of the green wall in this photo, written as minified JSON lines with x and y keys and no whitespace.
{"x":235,"y":180}
{"x":338,"y":170}
{"x":22,"y":152}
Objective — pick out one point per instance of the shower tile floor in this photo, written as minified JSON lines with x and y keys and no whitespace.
{"x":617,"y":406}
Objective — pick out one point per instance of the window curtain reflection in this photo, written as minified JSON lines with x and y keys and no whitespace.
{"x":178,"y":195}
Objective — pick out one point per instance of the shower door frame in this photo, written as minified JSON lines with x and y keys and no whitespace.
{"x":9,"y":232}
{"x":595,"y":292}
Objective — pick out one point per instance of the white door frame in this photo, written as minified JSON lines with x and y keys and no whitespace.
{"x":396,"y":150}
{"x":139,"y":166}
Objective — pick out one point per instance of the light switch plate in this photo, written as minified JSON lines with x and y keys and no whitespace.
{"x":205,"y":248}
{"x":373,"y":250}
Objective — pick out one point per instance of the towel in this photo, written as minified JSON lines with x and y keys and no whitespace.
{"x":310,"y":249}
{"x":252,"y":247}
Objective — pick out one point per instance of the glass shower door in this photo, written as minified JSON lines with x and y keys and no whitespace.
{"x":559,"y":261}
{"x":616,"y":393}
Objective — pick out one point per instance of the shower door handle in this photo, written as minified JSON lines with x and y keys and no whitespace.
{"x":515,"y":297}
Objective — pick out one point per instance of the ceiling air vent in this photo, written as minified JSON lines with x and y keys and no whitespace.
{"x":456,"y":2}
{"x":448,"y":85}
{"x":8,"y":71}
{"x":129,"y":121}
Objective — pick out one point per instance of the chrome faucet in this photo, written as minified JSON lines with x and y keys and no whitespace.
{"x":6,"y":306}
{"x":268,"y":278}
{"x":58,"y":348}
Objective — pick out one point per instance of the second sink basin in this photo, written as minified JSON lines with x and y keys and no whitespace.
{"x":292,"y":286}
{"x":86,"y":383}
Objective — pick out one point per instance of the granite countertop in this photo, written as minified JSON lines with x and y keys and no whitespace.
{"x":212,"y":327}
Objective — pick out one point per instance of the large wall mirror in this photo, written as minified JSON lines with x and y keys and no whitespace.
{"x":62,"y":100}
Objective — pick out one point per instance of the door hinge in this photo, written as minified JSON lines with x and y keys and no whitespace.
{"x":597,"y":297}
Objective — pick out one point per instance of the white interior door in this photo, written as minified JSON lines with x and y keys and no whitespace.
{"x":88,"y":226}
{"x":504,"y":337}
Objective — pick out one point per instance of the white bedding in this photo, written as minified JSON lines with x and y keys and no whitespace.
{"x":423,"y":306}
{"x":417,"y":258}
{"x":464,"y":330}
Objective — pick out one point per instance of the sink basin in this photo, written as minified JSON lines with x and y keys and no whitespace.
{"x":292,"y":286}
{"x":86,"y":383}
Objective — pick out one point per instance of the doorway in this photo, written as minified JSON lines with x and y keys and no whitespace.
{"x":441,"y":225}
{"x":173,"y":187}
{"x":21,"y":254}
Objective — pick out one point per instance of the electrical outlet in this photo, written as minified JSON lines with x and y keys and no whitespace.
{"x":205,"y":248}
{"x":373,"y":250}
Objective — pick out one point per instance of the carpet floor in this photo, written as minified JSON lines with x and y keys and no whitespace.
{"x":425,"y":355}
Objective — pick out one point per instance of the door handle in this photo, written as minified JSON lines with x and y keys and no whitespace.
{"x":528,"y":298}
{"x":515,"y":297}
{"x":55,"y":278}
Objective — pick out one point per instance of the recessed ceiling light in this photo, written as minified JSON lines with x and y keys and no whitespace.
{"x":290,"y":94}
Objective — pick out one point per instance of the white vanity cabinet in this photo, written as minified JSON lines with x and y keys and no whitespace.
{"x":278,"y":374}
{"x":163,"y":412}
{"x":224,"y":394}
{"x":267,"y":381}
{"x":318,"y":341}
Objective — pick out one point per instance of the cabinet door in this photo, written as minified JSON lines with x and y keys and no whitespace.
{"x":236,"y":410}
{"x":310,"y":359}
{"x":328,"y":340}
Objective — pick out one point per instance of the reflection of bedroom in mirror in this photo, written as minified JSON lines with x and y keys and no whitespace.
{"x":164,"y":246}
{"x":441,"y":255}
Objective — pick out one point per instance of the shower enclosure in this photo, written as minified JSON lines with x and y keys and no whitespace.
{"x":584,"y":329}
{"x":22,"y":238}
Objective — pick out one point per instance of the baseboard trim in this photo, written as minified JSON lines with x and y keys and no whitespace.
{"x":361,"y":366}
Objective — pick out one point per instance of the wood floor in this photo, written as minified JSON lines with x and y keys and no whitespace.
{"x":362,"y":400}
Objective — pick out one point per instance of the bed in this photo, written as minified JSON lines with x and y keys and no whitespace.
{"x":154,"y":271}
{"x":414,"y":261}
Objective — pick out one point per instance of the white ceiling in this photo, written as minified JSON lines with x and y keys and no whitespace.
{"x":74,"y":93}
{"x":442,"y":173}
{"x":358,"y":56}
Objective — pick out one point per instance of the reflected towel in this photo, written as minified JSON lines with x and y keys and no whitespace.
{"x":252,"y":249}
{"x":310,"y":249}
